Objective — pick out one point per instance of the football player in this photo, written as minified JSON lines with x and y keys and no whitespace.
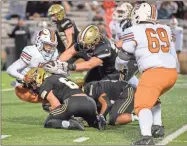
{"x":100,"y":52}
{"x":152,"y":45}
{"x":115,"y":97}
{"x":32,"y":56}
{"x":177,"y":33}
{"x":67,"y":31}
{"x":66,"y":100}
{"x":121,"y":21}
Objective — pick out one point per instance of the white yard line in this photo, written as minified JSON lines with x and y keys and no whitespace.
{"x":8,"y":89}
{"x":5,"y":136}
{"x":173,"y":135}
{"x":81,"y":139}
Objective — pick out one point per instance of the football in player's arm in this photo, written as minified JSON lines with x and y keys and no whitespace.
{"x":32,"y":56}
{"x":99,"y":50}
{"x":115,"y":98}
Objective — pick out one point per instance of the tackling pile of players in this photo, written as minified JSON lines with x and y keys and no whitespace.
{"x":110,"y":86}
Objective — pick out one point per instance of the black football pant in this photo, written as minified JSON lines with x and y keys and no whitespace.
{"x":125,"y":104}
{"x":77,"y":106}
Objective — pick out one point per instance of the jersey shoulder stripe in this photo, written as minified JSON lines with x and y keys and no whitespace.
{"x":128,"y":36}
{"x":25,"y":56}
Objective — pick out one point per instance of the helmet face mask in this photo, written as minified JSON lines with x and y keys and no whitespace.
{"x":46,"y":42}
{"x":49,"y":48}
{"x":122,"y":11}
{"x":38,"y":75}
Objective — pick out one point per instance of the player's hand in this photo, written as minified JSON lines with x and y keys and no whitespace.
{"x":123,"y":74}
{"x":119,"y":44}
{"x":28,"y":78}
{"x":101,"y":122}
{"x":57,"y":67}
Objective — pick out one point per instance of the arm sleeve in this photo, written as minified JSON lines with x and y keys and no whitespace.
{"x":46,"y":87}
{"x":13,"y":69}
{"x":26,"y":55}
{"x":129,"y":46}
{"x":66,"y":23}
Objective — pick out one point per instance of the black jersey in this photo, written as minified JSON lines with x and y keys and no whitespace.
{"x":112,"y":88}
{"x":106,"y":51}
{"x":62,"y":87}
{"x":61,"y":37}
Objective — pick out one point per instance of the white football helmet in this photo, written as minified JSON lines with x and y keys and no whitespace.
{"x":144,"y":13}
{"x":122,"y":11}
{"x":46,"y":42}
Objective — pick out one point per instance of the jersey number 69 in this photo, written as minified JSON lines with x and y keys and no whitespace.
{"x":153,"y":42}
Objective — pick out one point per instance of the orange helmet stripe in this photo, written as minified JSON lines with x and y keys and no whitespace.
{"x":153,"y":12}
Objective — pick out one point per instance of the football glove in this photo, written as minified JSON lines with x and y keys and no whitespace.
{"x":101,"y":122}
{"x":57,"y":67}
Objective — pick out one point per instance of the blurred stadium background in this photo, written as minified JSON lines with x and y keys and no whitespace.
{"x":31,"y":16}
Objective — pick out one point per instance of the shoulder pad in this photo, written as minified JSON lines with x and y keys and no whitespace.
{"x":26,"y":54}
{"x":103,"y":49}
{"x":65,"y":24}
{"x":124,"y":24}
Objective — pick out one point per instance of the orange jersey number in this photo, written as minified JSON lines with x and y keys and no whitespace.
{"x":153,"y":42}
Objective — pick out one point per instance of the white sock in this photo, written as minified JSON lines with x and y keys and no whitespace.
{"x":157,"y":117}
{"x":145,"y":121}
{"x":65,"y":124}
{"x":134,"y":81}
{"x":134,"y":117}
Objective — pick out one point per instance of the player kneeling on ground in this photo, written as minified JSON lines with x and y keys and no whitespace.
{"x":66,"y":100}
{"x":115,"y":97}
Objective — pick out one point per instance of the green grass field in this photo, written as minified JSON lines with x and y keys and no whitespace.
{"x":24,"y":121}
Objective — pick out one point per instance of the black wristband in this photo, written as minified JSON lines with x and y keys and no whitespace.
{"x":72,"y":67}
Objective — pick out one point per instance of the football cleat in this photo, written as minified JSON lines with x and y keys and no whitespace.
{"x":75,"y":125}
{"x":157,"y":131}
{"x":145,"y":140}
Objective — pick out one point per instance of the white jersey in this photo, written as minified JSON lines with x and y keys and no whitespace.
{"x":115,"y":29}
{"x":152,"y":46}
{"x":30,"y":57}
{"x":177,"y":33}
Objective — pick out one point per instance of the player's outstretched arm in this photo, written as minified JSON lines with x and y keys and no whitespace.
{"x":105,"y":104}
{"x":87,"y":65}
{"x":53,"y":101}
{"x":68,"y":54}
{"x":15,"y":67}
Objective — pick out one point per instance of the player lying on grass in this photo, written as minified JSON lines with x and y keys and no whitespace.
{"x":32,"y":56}
{"x":114,"y":97}
{"x":152,"y":45}
{"x":66,"y":100}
